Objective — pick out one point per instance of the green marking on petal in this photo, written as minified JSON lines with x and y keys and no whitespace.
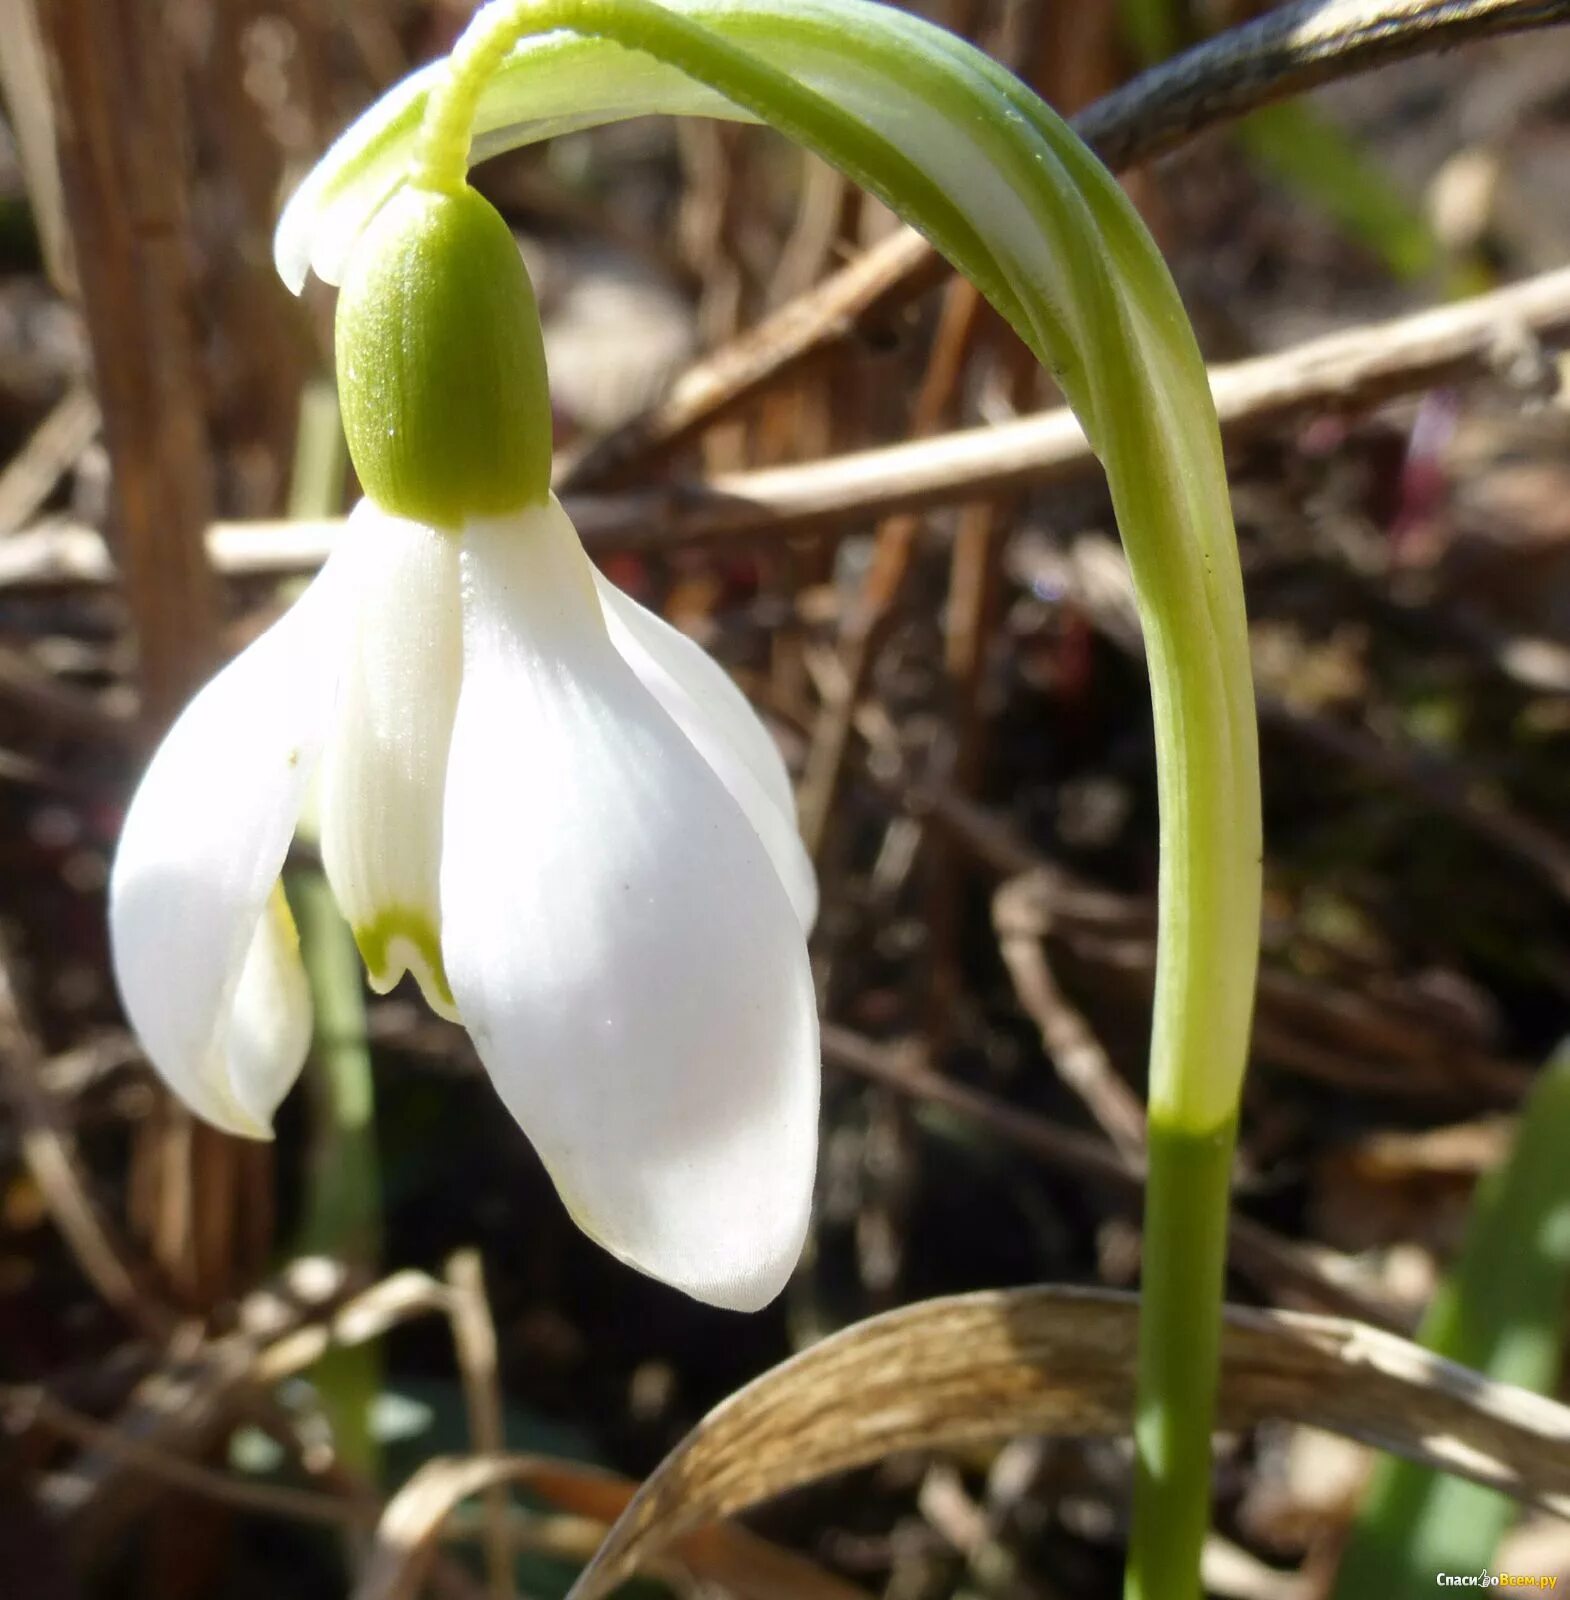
{"x":282,"y":917}
{"x":413,"y":928}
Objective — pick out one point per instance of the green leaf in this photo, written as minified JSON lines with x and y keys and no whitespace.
{"x":1502,"y":1313}
{"x":1153,"y":28}
{"x":1319,"y":162}
{"x":1306,"y":154}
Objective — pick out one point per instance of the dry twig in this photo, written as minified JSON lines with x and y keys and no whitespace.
{"x":1349,"y":370}
{"x":46,"y":455}
{"x":1282,"y":54}
{"x":125,"y":202}
{"x":25,"y":1408}
{"x":863,"y":629}
{"x":474,"y":1342}
{"x":1067,"y":1038}
{"x":118,"y":110}
{"x":1296,"y":1274}
{"x":105,"y":1259}
{"x":736,"y":1561}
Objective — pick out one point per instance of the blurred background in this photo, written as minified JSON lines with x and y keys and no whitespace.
{"x":959,"y":692}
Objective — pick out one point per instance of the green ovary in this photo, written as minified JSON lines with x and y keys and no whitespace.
{"x":414,"y":928}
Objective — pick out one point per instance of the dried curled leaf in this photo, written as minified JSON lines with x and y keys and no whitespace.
{"x":985,"y":1367}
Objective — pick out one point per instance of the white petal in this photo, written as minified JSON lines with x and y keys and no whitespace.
{"x":622,"y":950}
{"x":269,"y":1028}
{"x":210,"y":981}
{"x":659,"y":652}
{"x":385,"y":763}
{"x":704,"y":702}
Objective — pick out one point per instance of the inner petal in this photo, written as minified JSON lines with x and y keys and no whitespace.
{"x":385,"y":765}
{"x":667,"y":660}
{"x":700,"y":697}
{"x":268,"y":1030}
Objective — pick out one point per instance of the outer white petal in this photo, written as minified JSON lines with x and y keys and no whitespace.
{"x":704,"y":702}
{"x":385,"y":763}
{"x":211,"y":978}
{"x":620,"y":946}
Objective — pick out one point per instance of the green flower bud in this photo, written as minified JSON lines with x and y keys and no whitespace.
{"x":441,"y":368}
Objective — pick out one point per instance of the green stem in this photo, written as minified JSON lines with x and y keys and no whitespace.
{"x":343,"y":1208}
{"x":1181,"y":1285}
{"x":343,"y":1200}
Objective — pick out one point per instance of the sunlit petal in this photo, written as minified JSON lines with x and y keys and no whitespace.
{"x":706,"y":705}
{"x":385,"y":763}
{"x":209,"y":977}
{"x":621,"y":948}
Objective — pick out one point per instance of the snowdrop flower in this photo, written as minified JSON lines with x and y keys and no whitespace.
{"x":543,"y":802}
